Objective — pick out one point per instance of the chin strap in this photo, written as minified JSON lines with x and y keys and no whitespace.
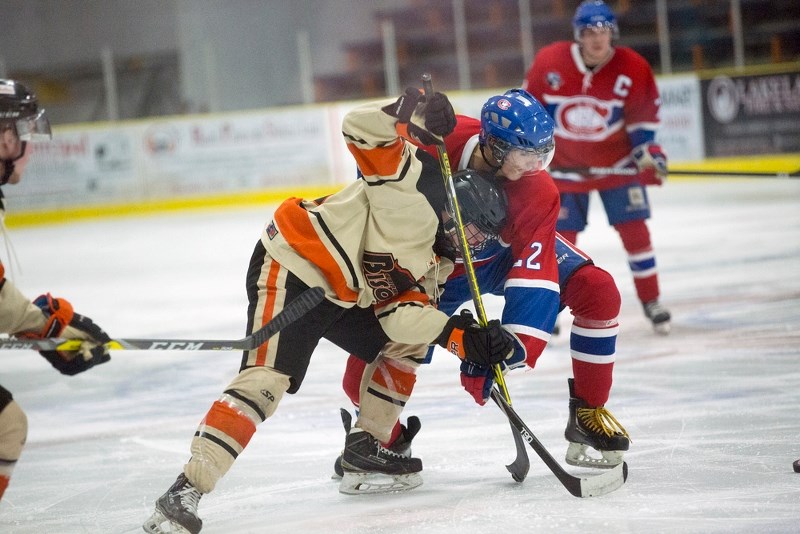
{"x":492,"y":166}
{"x":8,"y":166}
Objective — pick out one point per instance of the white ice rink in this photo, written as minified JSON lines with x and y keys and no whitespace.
{"x":713,"y":409}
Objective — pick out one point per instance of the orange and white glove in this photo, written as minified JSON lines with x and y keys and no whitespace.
{"x":62,"y":321}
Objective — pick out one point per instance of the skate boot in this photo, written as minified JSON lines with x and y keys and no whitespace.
{"x":658,"y":315}
{"x":369,"y":467}
{"x":595,"y":428}
{"x":347,"y":422}
{"x":402,"y":445}
{"x":176,"y":510}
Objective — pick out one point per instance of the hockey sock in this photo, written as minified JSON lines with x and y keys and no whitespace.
{"x":641,"y":258}
{"x":594,"y":300}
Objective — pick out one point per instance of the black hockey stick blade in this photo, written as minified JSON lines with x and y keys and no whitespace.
{"x":290,"y":313}
{"x":592,"y":486}
{"x":521,"y":464}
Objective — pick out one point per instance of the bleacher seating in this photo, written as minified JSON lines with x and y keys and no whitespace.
{"x":426,"y":41}
{"x":700,"y":38}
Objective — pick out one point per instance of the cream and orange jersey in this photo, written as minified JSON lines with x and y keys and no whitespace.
{"x":371,"y":244}
{"x":17,"y":313}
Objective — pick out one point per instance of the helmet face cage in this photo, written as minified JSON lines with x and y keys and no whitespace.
{"x":594,"y":14}
{"x":482,"y":205}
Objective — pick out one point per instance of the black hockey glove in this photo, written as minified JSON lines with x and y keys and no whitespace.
{"x":482,"y":345}
{"x":62,"y":321}
{"x":428,"y":120}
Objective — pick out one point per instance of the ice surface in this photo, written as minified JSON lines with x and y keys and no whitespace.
{"x":713,"y":409}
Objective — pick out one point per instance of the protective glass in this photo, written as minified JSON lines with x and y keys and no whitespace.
{"x":34,"y":128}
{"x":529,"y":159}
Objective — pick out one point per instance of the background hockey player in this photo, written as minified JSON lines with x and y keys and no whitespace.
{"x":535,"y":270}
{"x":377,"y":248}
{"x":21,"y":121}
{"x":605,"y":104}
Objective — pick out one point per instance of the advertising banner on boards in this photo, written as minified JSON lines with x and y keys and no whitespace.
{"x":751,"y":114}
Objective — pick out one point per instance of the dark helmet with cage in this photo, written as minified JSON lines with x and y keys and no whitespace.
{"x":482,"y":205}
{"x":515,"y":120}
{"x":594,"y":14}
{"x":19,"y":108}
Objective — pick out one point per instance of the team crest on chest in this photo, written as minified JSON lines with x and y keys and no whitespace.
{"x":384,"y":276}
{"x":587,"y":118}
{"x":554,"y":81}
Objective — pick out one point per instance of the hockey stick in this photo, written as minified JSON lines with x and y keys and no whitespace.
{"x":519,"y":467}
{"x":699,"y":172}
{"x":469,"y":268}
{"x":630,"y":171}
{"x":578,"y":486}
{"x":290,"y":313}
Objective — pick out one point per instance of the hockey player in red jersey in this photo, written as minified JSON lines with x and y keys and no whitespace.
{"x":605,"y":104}
{"x":21,"y":121}
{"x":379,"y":250}
{"x":537,"y":273}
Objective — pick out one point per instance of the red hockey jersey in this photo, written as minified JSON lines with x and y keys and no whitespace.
{"x":600,"y":113}
{"x":531,"y":287}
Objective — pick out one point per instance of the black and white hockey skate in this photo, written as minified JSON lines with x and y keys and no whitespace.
{"x":369,"y":467}
{"x":595,"y":428}
{"x":402,"y":445}
{"x":176,"y":510}
{"x":659,"y":316}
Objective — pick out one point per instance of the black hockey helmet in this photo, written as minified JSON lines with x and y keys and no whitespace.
{"x":482,"y":205}
{"x":19,"y":108}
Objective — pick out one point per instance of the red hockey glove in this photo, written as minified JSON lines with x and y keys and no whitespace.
{"x":427,"y":120}
{"x":482,"y":345}
{"x":651,"y":156}
{"x":61,"y":320}
{"x":477,"y":381}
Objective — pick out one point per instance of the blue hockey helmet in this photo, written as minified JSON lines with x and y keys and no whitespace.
{"x":516,"y":120}
{"x":594,"y":14}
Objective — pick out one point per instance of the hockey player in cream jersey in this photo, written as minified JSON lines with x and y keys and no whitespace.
{"x":22,"y":121}
{"x":378,"y":248}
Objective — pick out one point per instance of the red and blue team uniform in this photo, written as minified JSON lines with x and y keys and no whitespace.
{"x":600,"y":115}
{"x":522,"y":265}
{"x":538,"y":273}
